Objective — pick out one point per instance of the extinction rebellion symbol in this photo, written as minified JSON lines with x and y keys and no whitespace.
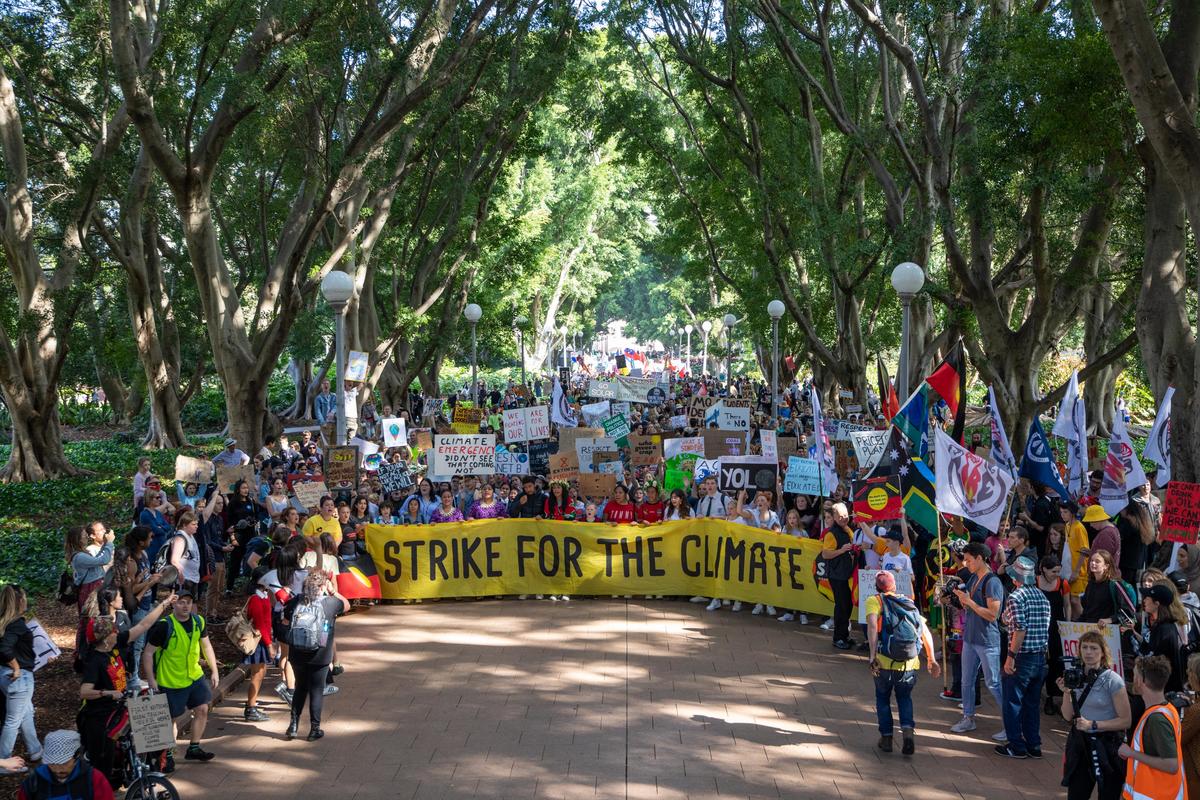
{"x":977,"y":490}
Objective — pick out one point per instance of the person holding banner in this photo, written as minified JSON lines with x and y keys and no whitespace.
{"x":487,"y":506}
{"x":840,"y":562}
{"x":1098,"y":713}
{"x":447,"y":511}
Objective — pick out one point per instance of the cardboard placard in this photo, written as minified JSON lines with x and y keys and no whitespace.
{"x":568,"y":436}
{"x":395,"y":432}
{"x":395,"y":478}
{"x":866,"y":588}
{"x":733,"y":419}
{"x":467,"y":419}
{"x":803,"y":476}
{"x":605,"y":456}
{"x":462,"y":454}
{"x":512,"y":463}
{"x":594,"y":412}
{"x":341,"y":467}
{"x":151,"y":723}
{"x":432,"y":406}
{"x":769,"y":444}
{"x":356,"y":366}
{"x":424,"y":440}
{"x":514,"y":425}
{"x":787,"y":446}
{"x":719,"y":444}
{"x":844,"y":460}
{"x":645,"y":450}
{"x":309,"y":493}
{"x":868,"y":446}
{"x":705,"y":467}
{"x":526,"y":424}
{"x":585,"y":447}
{"x":563,"y":467}
{"x":1070,"y":632}
{"x":539,"y":457}
{"x":227,"y":476}
{"x":737,"y":402}
{"x":1181,"y":512}
{"x":599,"y":484}
{"x":679,"y":422}
{"x":675,"y":479}
{"x":192,"y":470}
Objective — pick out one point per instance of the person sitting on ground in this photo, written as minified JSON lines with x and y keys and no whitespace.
{"x":63,"y":774}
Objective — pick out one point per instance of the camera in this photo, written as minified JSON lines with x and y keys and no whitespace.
{"x":1180,"y":700}
{"x":1074,"y":673}
{"x":947,"y":590}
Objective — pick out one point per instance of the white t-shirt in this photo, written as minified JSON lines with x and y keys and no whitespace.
{"x":896,"y":563}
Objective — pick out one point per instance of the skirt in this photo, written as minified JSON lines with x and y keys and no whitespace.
{"x":261,"y":655}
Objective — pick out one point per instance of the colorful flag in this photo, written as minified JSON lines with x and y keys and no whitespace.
{"x":357,"y":579}
{"x":889,"y":405}
{"x":561,"y":412}
{"x":917,"y":490}
{"x":1071,"y":425}
{"x":1119,"y":441}
{"x":1038,"y":462}
{"x":1001,"y":452}
{"x":967,"y":485}
{"x":877,"y":496}
{"x":1158,"y":443}
{"x":949,"y":380}
{"x":823,"y":452}
{"x":913,"y":419}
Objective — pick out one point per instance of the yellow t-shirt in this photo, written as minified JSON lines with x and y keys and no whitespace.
{"x":875,"y":606}
{"x":1077,"y":539}
{"x":316,"y":525}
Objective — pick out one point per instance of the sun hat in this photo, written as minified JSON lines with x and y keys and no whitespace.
{"x":1096,"y":513}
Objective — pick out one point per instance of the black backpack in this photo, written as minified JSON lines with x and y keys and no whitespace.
{"x":900,"y":633}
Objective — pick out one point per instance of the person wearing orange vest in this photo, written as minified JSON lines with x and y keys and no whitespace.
{"x":1154,"y":757}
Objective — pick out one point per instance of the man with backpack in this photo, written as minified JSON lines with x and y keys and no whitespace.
{"x":1027,"y":620}
{"x":896,"y":632}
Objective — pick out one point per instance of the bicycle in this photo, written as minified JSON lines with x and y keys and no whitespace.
{"x":142,"y":781}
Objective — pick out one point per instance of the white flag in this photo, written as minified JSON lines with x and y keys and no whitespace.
{"x":1071,"y":425}
{"x":823,"y":452}
{"x":1135,"y":476}
{"x":968,"y":485}
{"x":1001,"y":453}
{"x":560,"y":410}
{"x":1158,"y":444}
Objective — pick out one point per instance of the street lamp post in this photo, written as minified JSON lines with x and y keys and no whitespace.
{"x":473,"y":312}
{"x":521,"y":322}
{"x":730,"y":320}
{"x":338,"y":288}
{"x":679,"y":343}
{"x":564,"y":345}
{"x":688,"y":361}
{"x":907,"y":280}
{"x":775,"y":310}
{"x":705,"y":326}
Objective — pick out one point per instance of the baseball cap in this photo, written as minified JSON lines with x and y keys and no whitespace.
{"x":59,"y":747}
{"x":895,"y":534}
{"x":1159,"y":593}
{"x":186,"y":592}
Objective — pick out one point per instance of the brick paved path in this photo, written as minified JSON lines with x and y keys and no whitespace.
{"x":603,"y":699}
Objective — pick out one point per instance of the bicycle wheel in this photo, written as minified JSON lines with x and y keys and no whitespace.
{"x":151,"y":787}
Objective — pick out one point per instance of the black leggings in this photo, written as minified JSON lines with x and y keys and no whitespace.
{"x":843,"y":602}
{"x":310,"y":682}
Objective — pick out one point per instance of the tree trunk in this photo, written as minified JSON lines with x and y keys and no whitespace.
{"x":37,"y":446}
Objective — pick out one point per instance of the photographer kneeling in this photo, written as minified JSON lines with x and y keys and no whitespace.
{"x":1097,"y":706}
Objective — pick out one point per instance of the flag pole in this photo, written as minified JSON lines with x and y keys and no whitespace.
{"x":941,"y":561}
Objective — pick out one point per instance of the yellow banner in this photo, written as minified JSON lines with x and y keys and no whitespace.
{"x":706,"y":557}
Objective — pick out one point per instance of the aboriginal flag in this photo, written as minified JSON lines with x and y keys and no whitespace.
{"x":357,"y":578}
{"x":877,"y":497}
{"x":950,"y":382}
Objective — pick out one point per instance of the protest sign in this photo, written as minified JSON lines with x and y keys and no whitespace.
{"x":467,"y":419}
{"x":395,"y":478}
{"x":597,"y":485}
{"x":803,"y":476}
{"x":843,"y":429}
{"x":365,"y":448}
{"x":539,"y":457}
{"x":525,"y":424}
{"x":700,"y":405}
{"x":356,"y":366}
{"x":514,"y":425}
{"x":151,"y":723}
{"x":733,"y":419}
{"x":309,"y":493}
{"x":645,"y":450}
{"x":679,"y":422}
{"x":788,"y":446}
{"x":705,"y":467}
{"x":684,"y":445}
{"x":44,"y":648}
{"x":604,"y":456}
{"x":615,"y":468}
{"x":770,"y":448}
{"x":632,"y":390}
{"x":737,"y":402}
{"x":1070,"y":632}
{"x":563,"y":467}
{"x":424,"y":439}
{"x":227,"y":476}
{"x":718,"y":443}
{"x":585,"y":447}
{"x":675,"y":479}
{"x":1181,"y":512}
{"x":462,"y":454}
{"x":568,"y":436}
{"x":594,"y":412}
{"x":868,"y":446}
{"x":371,"y":462}
{"x":192,"y":470}
{"x":622,"y":407}
{"x":432,"y":406}
{"x":749,"y":473}
{"x":395,"y":432}
{"x":512,"y":463}
{"x":617,"y":428}
{"x":341,"y":467}
{"x":844,"y":460}
{"x":866,"y":588}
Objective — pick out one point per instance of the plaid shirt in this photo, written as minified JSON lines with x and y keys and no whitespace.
{"x":1027,"y":609}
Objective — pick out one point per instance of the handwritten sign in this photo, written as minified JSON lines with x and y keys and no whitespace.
{"x":718,"y":443}
{"x":679,"y":422}
{"x":600,"y":484}
{"x":526,"y":424}
{"x":568,"y":436}
{"x":151,"y":723}
{"x":770,"y":447}
{"x":645,"y":450}
{"x":866,"y":588}
{"x":466,"y":419}
{"x":432,"y":406}
{"x":594,"y":412}
{"x":341,"y":467}
{"x":44,"y":648}
{"x":803,"y":476}
{"x":869,"y":446}
{"x":1070,"y":632}
{"x":512,"y":463}
{"x":1181,"y":512}
{"x":706,"y":467}
{"x":425,"y":439}
{"x":192,"y":470}
{"x":460,"y":454}
{"x":733,"y":419}
{"x":585,"y":447}
{"x":309,"y":493}
{"x":539,"y":457}
{"x":395,"y":478}
{"x":564,"y":467}
{"x":395,"y":432}
{"x":356,"y":366}
{"x":227,"y":476}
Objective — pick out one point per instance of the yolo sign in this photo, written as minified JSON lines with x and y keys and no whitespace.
{"x":747,"y":473}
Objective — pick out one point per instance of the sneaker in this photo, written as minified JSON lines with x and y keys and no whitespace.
{"x":540,"y":597}
{"x":566,"y":598}
{"x":786,"y":617}
{"x":758,"y":609}
{"x":1034,"y":752}
{"x":554,"y":597}
{"x":827,"y":625}
{"x":254,"y":715}
{"x":698,"y":599}
{"x":1005,"y":750}
{"x":950,"y":697}
{"x":1000,"y":736}
{"x":963,"y":725}
{"x":713,"y":606}
{"x":803,"y":618}
{"x":771,"y":611}
{"x":910,"y":744}
{"x":330,"y":689}
{"x":194,"y":753}
{"x":885,"y":744}
{"x":737,"y":605}
{"x":842,"y":644}
{"x":863,"y":646}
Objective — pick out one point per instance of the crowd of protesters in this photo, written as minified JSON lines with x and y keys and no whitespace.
{"x":148,"y":596}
